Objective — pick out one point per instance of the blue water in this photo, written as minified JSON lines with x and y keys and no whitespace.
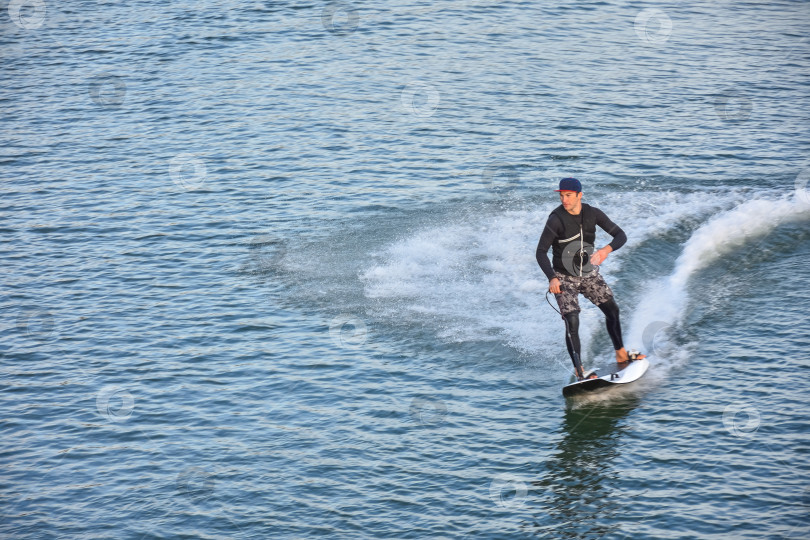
{"x":268,"y":269}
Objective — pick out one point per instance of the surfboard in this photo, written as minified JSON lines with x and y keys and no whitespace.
{"x":618,"y":375}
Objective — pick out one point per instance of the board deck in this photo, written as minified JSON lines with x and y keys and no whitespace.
{"x":617,"y":375}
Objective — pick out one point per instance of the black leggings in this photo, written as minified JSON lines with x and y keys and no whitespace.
{"x":614,"y":328}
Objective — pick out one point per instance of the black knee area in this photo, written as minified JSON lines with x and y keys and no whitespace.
{"x":572,"y":318}
{"x":614,"y":326}
{"x":610,"y":309}
{"x":572,"y":338}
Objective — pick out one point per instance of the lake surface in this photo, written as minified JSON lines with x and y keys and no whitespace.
{"x":269,"y":269}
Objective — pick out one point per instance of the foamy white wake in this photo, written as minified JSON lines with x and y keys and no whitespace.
{"x":728,"y":234}
{"x":479,"y":280}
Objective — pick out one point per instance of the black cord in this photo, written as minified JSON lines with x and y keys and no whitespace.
{"x":577,"y":362}
{"x":555,"y":309}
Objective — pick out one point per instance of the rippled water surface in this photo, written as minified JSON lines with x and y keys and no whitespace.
{"x":268,"y":269}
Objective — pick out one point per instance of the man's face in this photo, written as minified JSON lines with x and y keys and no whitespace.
{"x":570,"y":199}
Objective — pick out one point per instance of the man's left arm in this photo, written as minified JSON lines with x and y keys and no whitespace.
{"x":619,"y":238}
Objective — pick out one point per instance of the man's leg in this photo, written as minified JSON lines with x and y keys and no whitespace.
{"x":572,"y":341}
{"x":569,"y":308}
{"x":614,"y":328}
{"x":597,"y":291}
{"x":614,"y":325}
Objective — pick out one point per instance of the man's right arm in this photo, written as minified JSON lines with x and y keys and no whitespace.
{"x":550,"y":233}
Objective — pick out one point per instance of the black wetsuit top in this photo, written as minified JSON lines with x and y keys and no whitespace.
{"x":555,"y":229}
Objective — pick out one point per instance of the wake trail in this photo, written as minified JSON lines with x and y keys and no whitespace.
{"x":728,"y":235}
{"x":478,"y":280}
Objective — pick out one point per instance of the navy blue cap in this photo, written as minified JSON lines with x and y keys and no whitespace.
{"x":570,"y":184}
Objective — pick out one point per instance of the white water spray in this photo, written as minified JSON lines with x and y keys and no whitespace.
{"x":728,"y":235}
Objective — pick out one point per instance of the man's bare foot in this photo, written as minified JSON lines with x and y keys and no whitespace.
{"x":588,"y":375}
{"x":623,"y":357}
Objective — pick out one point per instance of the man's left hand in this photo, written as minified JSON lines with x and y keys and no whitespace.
{"x":600,"y":255}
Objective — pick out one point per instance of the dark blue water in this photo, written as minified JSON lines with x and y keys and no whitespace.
{"x":268,"y":269}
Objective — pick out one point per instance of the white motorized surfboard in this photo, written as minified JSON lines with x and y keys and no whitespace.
{"x":633,"y":371}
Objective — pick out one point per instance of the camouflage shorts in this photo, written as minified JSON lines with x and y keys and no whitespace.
{"x":592,"y":287}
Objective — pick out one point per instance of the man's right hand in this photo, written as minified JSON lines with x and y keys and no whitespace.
{"x":554,"y":286}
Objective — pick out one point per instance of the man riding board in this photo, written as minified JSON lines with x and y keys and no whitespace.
{"x":571,"y":233}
